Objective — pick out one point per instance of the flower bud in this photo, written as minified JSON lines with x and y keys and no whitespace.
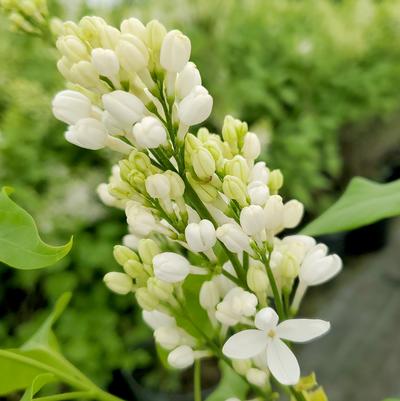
{"x":160,"y":289}
{"x":156,"y":319}
{"x":134,"y":268}
{"x":83,"y":73}
{"x":206,"y":191}
{"x":257,"y":279}
{"x":70,"y":106}
{"x":149,"y":133}
{"x":105,"y":61}
{"x":171,"y":267}
{"x":200,"y":236}
{"x":181,"y":357}
{"x":88,"y":133}
{"x":72,"y":48}
{"x":134,"y":27}
{"x":105,"y":196}
{"x":140,"y":161}
{"x":252,"y":219}
{"x":177,"y":186}
{"x":175,"y":51}
{"x":259,"y":172}
{"x":122,"y":254}
{"x":91,"y":27}
{"x":234,"y":188}
{"x":274,"y":213}
{"x":238,"y":168}
{"x":140,"y":220}
{"x":64,"y":68}
{"x":186,"y":80}
{"x":109,"y":36}
{"x":145,"y":299}
{"x":147,"y":250}
{"x":258,"y":193}
{"x":124,"y":107}
{"x":131,"y":241}
{"x":209,"y":295}
{"x":203,"y":163}
{"x":196,"y":106}
{"x":155,"y":34}
{"x":233,"y":132}
{"x":257,"y":377}
{"x":132,"y":53}
{"x":112,"y":125}
{"x":275,"y":181}
{"x":119,"y":283}
{"x":157,"y":186}
{"x":241,"y":366}
{"x":251,"y":148}
{"x":292,"y":213}
{"x":233,"y":238}
{"x":169,"y":337}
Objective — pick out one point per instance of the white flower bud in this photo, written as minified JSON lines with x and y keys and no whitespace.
{"x":160,"y":289}
{"x":176,"y":183}
{"x":147,"y":249}
{"x":196,"y":106}
{"x":171,"y":267}
{"x":132,"y":53}
{"x":156,"y":319}
{"x":252,"y":219}
{"x":274,"y":213}
{"x":186,"y":80}
{"x":234,"y":188}
{"x":119,"y":283}
{"x":133,"y":26}
{"x":203,"y":163}
{"x":105,"y":61}
{"x":175,"y":51}
{"x":200,"y":236}
{"x":131,"y":241}
{"x":241,"y":366}
{"x":157,"y":186}
{"x":181,"y":357}
{"x":257,"y":278}
{"x":105,"y":196}
{"x":209,"y":295}
{"x":292,"y":213}
{"x":233,"y":237}
{"x":257,"y":377}
{"x":251,"y":147}
{"x":275,"y":181}
{"x":108,"y":36}
{"x":259,"y":172}
{"x":258,"y":193}
{"x":83,"y":73}
{"x":169,"y":337}
{"x":146,"y":300}
{"x":112,"y":125}
{"x":72,"y":48}
{"x":88,"y":133}
{"x":155,"y":34}
{"x":70,"y":106}
{"x":122,"y":254}
{"x":124,"y":107}
{"x":140,"y":220}
{"x":237,"y":167}
{"x":149,"y":133}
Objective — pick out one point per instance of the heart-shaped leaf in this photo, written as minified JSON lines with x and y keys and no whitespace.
{"x":20,"y":244}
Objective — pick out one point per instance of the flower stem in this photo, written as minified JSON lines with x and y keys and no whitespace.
{"x":197,"y":380}
{"x":298,"y":395}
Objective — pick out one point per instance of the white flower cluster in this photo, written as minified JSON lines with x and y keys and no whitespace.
{"x":204,"y":255}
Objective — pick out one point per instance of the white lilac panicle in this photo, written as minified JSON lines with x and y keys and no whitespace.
{"x":267,"y":339}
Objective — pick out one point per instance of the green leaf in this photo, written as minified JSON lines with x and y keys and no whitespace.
{"x":20,"y":243}
{"x":230,"y":385}
{"x":364,"y":202}
{"x":37,"y":384}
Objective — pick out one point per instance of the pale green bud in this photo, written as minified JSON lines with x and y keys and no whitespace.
{"x":155,"y":33}
{"x":241,"y":365}
{"x":141,"y":161}
{"x":203,"y":164}
{"x":191,"y":144}
{"x":237,"y":167}
{"x":275,"y":181}
{"x":289,"y":266}
{"x":70,"y":28}
{"x":119,"y":283}
{"x":135,"y":269}
{"x":122,"y":254}
{"x":234,"y":188}
{"x":216,"y":153}
{"x":160,"y":289}
{"x":146,"y":300}
{"x":73,"y":48}
{"x":147,"y":249}
{"x":85,"y":74}
{"x":233,"y":132}
{"x":91,"y":28}
{"x":257,"y":279}
{"x":206,"y":191}
{"x":177,"y":186}
{"x":20,"y":22}
{"x":203,"y":134}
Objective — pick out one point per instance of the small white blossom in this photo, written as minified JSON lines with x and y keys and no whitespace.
{"x":181,"y":357}
{"x":171,"y":267}
{"x":267,"y":339}
{"x":259,"y":172}
{"x":175,"y":51}
{"x":119,"y":283}
{"x":200,"y":236}
{"x":196,"y":106}
{"x":88,"y":133}
{"x":149,"y":133}
{"x":252,"y":219}
{"x":186,"y":80}
{"x":251,"y":147}
{"x":258,"y":193}
{"x":70,"y":106}
{"x":106,"y":62}
{"x":156,"y":319}
{"x":233,"y":237}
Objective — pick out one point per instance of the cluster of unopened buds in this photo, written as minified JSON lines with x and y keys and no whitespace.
{"x":204,"y":255}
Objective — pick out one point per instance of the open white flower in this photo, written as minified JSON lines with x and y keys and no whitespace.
{"x":267,"y":338}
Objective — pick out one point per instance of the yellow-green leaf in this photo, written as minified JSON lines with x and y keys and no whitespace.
{"x":20,"y":244}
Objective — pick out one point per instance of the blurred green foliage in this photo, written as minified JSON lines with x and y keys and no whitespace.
{"x":297,"y":71}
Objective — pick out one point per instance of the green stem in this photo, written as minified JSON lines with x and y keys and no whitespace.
{"x":73,"y":395}
{"x":275,"y":291}
{"x":197,"y":380}
{"x":297,"y":394}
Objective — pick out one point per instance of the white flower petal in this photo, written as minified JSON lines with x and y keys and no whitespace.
{"x":245,"y":344}
{"x":321,"y":271}
{"x":266,"y":319}
{"x":302,"y":330}
{"x":282,"y":363}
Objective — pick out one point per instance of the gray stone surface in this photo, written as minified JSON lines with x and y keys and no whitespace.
{"x":359,"y":360}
